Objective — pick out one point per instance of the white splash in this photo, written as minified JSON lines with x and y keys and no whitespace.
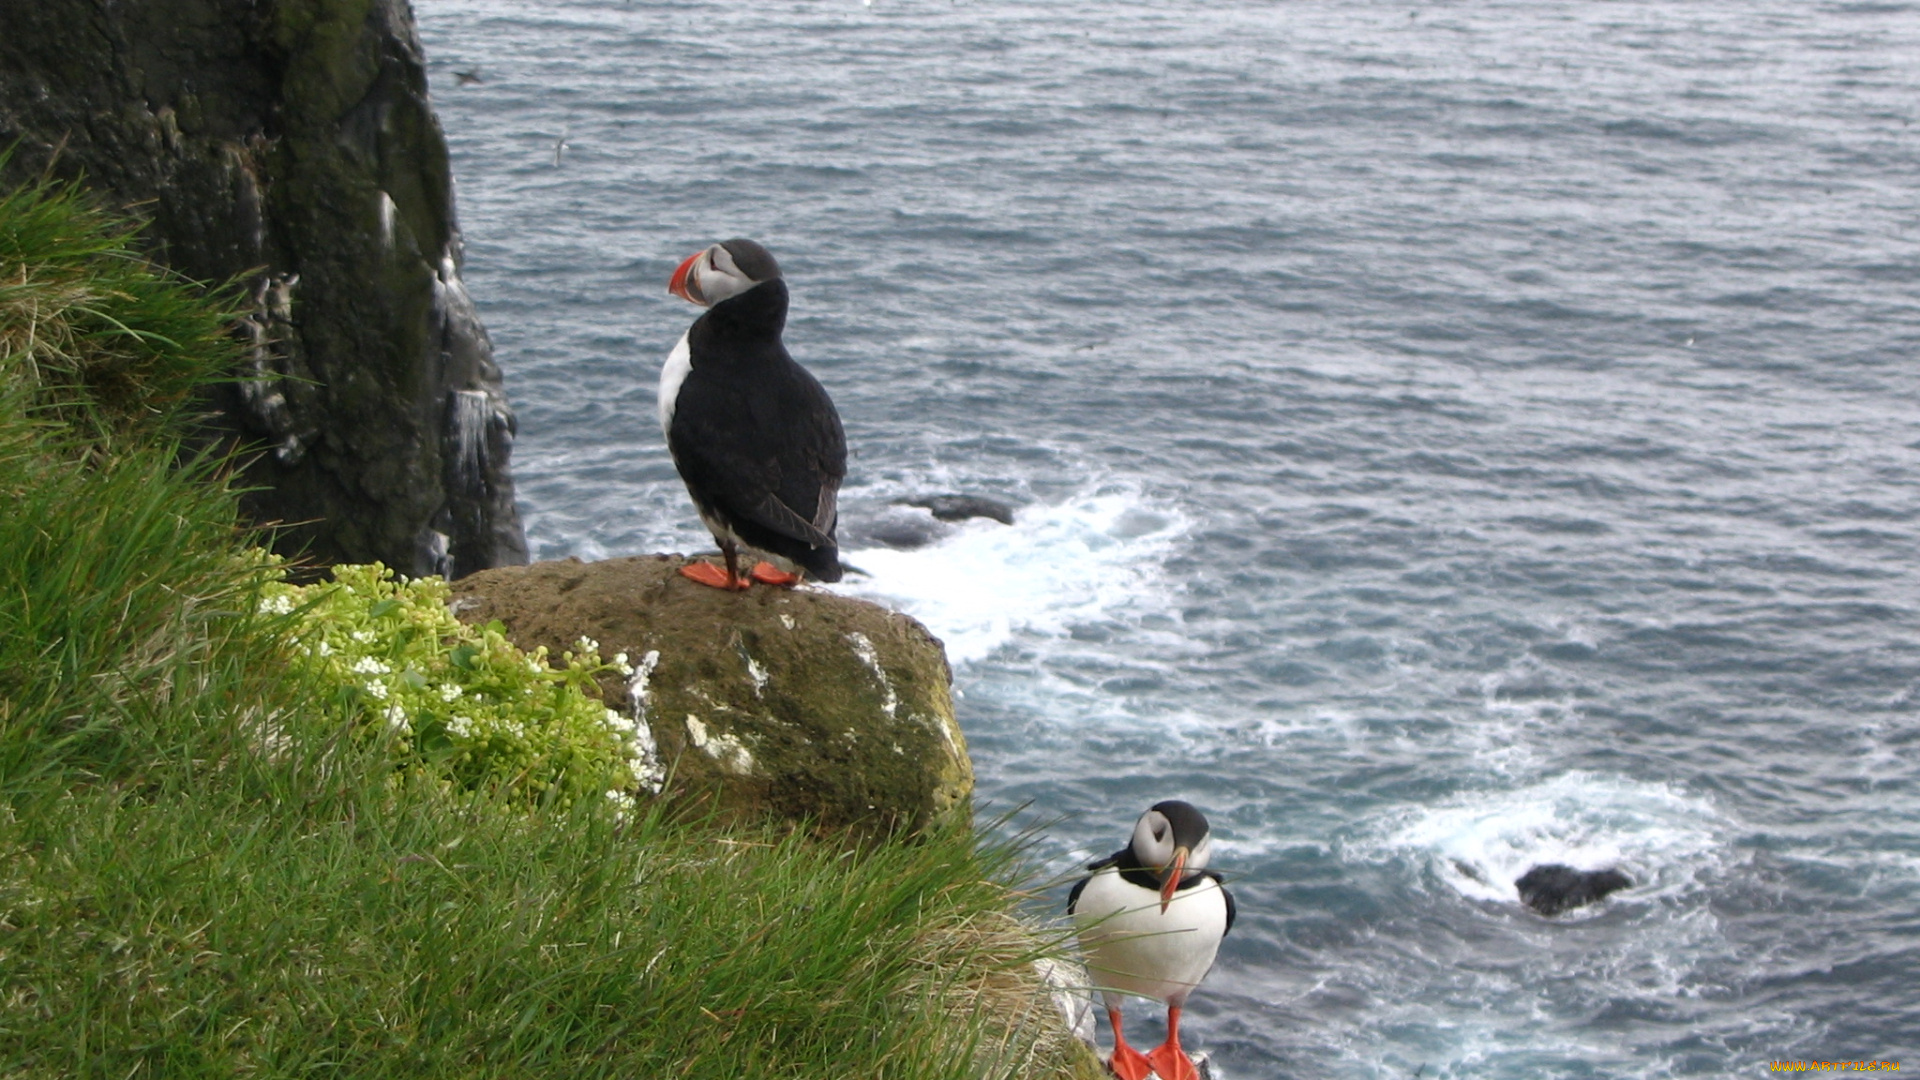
{"x":1481,"y":842}
{"x":1057,"y":565}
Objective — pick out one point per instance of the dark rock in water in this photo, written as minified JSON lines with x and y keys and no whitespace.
{"x":794,"y":704}
{"x":902,"y":535}
{"x":292,"y":141}
{"x":898,"y":526}
{"x":962,"y":507}
{"x":1553,"y":888}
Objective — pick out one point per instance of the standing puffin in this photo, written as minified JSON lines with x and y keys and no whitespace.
{"x":754,"y":436}
{"x":1150,"y":917}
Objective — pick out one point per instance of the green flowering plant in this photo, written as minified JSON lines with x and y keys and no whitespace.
{"x":462,"y":702}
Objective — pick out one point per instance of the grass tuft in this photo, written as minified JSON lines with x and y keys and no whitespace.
{"x":90,"y":329}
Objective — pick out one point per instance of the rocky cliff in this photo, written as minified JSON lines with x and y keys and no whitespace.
{"x":291,"y":141}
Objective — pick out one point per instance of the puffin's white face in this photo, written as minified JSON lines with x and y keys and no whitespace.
{"x":709,"y":277}
{"x":1156,"y":841}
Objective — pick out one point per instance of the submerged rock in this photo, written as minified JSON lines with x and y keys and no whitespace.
{"x":899,"y":527}
{"x":292,"y":141}
{"x":1553,"y":888}
{"x":962,"y":507}
{"x":795,"y":703}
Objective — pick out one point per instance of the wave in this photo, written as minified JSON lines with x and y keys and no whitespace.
{"x":1078,"y":561}
{"x":1478,"y":843}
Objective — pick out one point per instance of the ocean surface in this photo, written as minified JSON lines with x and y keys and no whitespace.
{"x":1445,"y":436}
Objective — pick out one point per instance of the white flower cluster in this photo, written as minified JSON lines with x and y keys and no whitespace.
{"x":521,"y":719}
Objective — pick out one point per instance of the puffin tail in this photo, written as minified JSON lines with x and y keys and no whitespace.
{"x":822,"y":563}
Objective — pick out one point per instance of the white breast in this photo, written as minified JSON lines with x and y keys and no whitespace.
{"x":1133,"y":947}
{"x":672,"y":374}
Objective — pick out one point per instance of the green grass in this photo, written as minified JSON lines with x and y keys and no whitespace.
{"x":124,"y":626}
{"x":205,"y":872}
{"x":103,"y":343}
{"x":325,"y":928}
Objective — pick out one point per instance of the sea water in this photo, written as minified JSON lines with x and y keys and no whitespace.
{"x":1445,"y":437}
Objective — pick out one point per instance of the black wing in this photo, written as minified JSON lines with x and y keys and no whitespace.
{"x":768,"y":450}
{"x":1228,"y":897}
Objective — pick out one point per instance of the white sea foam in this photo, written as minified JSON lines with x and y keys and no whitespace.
{"x":1481,"y":842}
{"x":1090,"y":557}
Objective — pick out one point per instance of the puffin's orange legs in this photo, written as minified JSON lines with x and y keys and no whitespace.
{"x":1167,"y":1059}
{"x":706,"y":573}
{"x":767,"y":574}
{"x":1126,"y":1062}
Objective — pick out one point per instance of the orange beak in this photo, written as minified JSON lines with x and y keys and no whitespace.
{"x":679,"y":283}
{"x":1172,"y":880}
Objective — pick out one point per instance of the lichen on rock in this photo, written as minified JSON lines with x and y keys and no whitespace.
{"x":796,"y":703}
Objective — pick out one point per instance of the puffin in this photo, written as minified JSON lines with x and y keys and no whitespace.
{"x":1150,"y":918}
{"x":754,"y":436}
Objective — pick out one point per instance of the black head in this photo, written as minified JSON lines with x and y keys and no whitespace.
{"x":753,"y":260}
{"x":723,"y":271}
{"x":1169,"y":827}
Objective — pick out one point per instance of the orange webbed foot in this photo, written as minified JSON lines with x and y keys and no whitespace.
{"x":1129,"y":1064}
{"x":1170,"y":1062}
{"x":767,"y":574}
{"x":710,"y":575}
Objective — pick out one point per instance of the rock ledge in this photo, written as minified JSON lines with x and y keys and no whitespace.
{"x":798,"y":704}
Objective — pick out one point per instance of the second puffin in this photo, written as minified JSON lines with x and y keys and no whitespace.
{"x":1151,"y":917}
{"x":755,"y":437}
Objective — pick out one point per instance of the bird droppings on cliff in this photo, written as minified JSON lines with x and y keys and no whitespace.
{"x":388,"y":211}
{"x":723,"y":747}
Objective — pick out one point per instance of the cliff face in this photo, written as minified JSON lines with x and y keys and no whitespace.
{"x":293,"y":141}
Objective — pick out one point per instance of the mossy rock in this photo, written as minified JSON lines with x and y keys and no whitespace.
{"x":794,"y":703}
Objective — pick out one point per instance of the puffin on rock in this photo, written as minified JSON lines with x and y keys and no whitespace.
{"x":1150,"y":918}
{"x":755,"y":438}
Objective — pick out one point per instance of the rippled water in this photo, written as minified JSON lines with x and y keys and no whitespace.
{"x":1447,"y":437}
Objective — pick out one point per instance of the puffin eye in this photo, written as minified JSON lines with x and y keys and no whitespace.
{"x":1159,"y":832}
